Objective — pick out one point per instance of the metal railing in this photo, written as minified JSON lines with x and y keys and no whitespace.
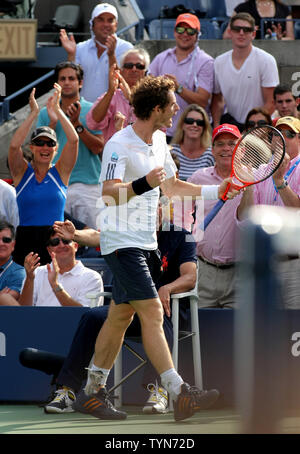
{"x":139,"y":35}
{"x":267,"y":20}
{"x":4,"y":106}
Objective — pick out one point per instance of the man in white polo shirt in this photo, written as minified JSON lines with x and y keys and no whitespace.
{"x":136,"y":161}
{"x":98,"y":53}
{"x":65,"y":282}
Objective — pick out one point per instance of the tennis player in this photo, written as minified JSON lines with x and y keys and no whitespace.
{"x":136,"y":162}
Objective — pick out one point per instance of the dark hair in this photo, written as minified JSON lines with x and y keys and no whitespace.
{"x":51,"y":232}
{"x":258,"y":110}
{"x":150,"y":92}
{"x":69,"y":64}
{"x":176,"y":160}
{"x":243,"y":16}
{"x":6,"y":225}
{"x":281,"y":89}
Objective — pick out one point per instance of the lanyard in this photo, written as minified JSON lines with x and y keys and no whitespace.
{"x":289,"y":172}
{"x":7,"y":266}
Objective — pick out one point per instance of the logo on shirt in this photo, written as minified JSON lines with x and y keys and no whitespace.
{"x":114,"y":157}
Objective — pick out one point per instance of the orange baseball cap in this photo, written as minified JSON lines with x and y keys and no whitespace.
{"x":189,"y":19}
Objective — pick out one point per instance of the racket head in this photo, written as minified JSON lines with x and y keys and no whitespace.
{"x":257,"y":155}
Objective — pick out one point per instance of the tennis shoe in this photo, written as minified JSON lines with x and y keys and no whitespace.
{"x":62,"y":402}
{"x":158,"y":400}
{"x":98,"y":405}
{"x":192,"y":399}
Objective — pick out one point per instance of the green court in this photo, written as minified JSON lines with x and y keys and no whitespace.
{"x":31,"y":419}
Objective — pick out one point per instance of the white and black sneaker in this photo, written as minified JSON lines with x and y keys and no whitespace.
{"x":158,"y":400}
{"x":62,"y":402}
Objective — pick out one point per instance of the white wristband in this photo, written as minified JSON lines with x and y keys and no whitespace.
{"x":210,"y":192}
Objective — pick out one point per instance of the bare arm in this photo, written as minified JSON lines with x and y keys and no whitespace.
{"x":69,"y":153}
{"x":173,"y":186}
{"x":115,"y":192}
{"x":86,"y":237}
{"x":288,"y":196}
{"x":93,"y":142}
{"x":101,"y":108}
{"x":217,"y":108}
{"x":200,"y":96}
{"x":63,"y":296}
{"x":16,"y":161}
{"x":185,"y":282}
{"x":267,"y":93}
{"x":69,"y":44}
{"x":31,"y":263}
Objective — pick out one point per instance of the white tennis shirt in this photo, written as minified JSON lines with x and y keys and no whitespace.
{"x":127,"y":157}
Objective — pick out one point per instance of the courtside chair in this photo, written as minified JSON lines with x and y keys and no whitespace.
{"x":177,"y":337}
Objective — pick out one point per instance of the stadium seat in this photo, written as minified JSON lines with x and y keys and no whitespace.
{"x":164,"y":29}
{"x":66,"y":16}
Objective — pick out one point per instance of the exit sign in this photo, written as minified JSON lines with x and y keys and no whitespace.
{"x":18,"y":39}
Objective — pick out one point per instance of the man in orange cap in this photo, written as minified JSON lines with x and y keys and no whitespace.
{"x":191,"y":69}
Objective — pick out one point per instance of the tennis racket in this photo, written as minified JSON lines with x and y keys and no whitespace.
{"x":256,"y":156}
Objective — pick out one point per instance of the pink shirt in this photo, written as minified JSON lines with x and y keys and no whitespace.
{"x":265,"y":193}
{"x":218,"y":243}
{"x":118,"y":104}
{"x":195,"y":71}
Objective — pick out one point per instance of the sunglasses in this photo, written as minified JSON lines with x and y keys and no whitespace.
{"x":6,"y":239}
{"x":55,"y":241}
{"x":191,"y":121}
{"x":238,"y":28}
{"x":42,"y":142}
{"x":252,"y":123}
{"x":190,"y":31}
{"x":131,"y":65}
{"x":288,"y":134}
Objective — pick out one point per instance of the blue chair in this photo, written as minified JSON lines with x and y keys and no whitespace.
{"x":297,"y":29}
{"x":215,"y":9}
{"x":209,"y":29}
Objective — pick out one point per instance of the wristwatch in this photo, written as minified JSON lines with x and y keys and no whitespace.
{"x":179,"y":89}
{"x":282,"y":186}
{"x":79,"y":129}
{"x":58,"y":288}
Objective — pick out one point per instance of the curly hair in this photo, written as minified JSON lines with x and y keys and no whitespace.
{"x":150,"y":92}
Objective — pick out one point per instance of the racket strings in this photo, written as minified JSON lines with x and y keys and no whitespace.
{"x":258,"y":155}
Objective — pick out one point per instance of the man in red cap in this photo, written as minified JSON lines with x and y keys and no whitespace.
{"x":191,"y":69}
{"x":216,"y":249}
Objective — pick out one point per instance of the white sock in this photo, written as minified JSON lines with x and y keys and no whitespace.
{"x":172,"y":382}
{"x":96,"y":380}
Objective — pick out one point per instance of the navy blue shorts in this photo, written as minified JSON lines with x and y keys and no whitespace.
{"x":134,"y":272}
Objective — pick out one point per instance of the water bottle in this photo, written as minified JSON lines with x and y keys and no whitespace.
{"x":274,"y":36}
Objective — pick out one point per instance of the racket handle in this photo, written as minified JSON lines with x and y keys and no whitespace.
{"x":224,"y":196}
{"x":213,"y":213}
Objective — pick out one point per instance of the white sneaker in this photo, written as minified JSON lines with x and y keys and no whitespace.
{"x":158,"y":400}
{"x":62,"y":402}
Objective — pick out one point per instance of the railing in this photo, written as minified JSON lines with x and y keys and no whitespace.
{"x":265,"y":20}
{"x":139,"y":34}
{"x":4,"y":106}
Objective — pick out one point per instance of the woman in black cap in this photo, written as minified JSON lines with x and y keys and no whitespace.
{"x":41,"y":187}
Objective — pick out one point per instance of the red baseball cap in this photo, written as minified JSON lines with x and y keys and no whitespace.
{"x":226,"y":127}
{"x":189,"y":19}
